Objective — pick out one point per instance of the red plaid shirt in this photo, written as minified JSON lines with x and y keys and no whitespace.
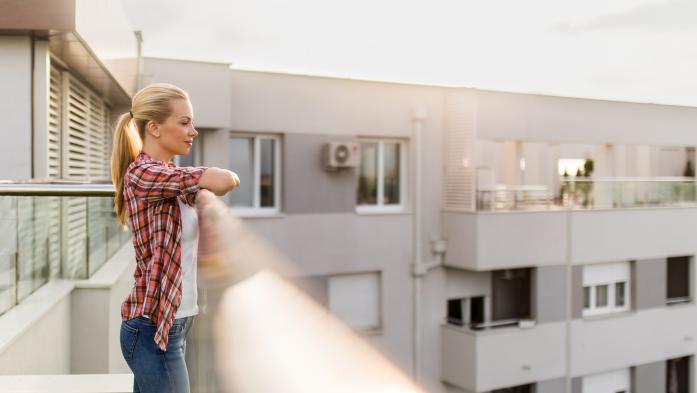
{"x":150,"y":191}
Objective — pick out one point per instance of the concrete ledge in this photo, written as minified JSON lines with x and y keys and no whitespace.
{"x":72,"y":383}
{"x":23,"y":316}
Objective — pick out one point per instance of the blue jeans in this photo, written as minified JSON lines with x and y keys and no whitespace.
{"x":155,"y":370}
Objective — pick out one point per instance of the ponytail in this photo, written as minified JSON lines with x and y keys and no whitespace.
{"x":127,"y":145}
{"x":151,"y":103}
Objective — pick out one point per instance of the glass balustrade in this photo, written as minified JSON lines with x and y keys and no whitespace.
{"x":50,"y":235}
{"x":605,"y":193}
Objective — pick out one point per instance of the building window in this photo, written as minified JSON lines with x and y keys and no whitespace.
{"x":469,"y":311}
{"x":678,"y":276}
{"x":678,"y":375}
{"x":356,"y":299}
{"x":257,"y":161}
{"x":606,"y":288}
{"x":616,"y":381}
{"x":620,"y":293}
{"x":380,"y":177}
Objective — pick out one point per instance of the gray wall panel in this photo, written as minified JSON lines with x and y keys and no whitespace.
{"x":550,"y":386}
{"x":649,"y":283}
{"x":577,"y":291}
{"x":308,"y":188}
{"x":650,"y":378}
{"x":550,"y":293}
{"x":16,"y":107}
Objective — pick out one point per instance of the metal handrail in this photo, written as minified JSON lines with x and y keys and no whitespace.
{"x":619,"y":179}
{"x":56,"y":187}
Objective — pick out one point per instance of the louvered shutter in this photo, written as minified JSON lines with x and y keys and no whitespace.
{"x":84,"y":157}
{"x":459,"y":180}
{"x":55,"y":121}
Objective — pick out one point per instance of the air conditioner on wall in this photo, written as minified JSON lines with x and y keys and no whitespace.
{"x":339,"y":155}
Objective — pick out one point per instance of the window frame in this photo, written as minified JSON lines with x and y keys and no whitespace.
{"x":379,"y":206}
{"x":611,"y":283}
{"x":256,"y":209}
{"x":671,"y":301}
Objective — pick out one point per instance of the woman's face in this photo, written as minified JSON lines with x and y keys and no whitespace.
{"x":177,"y":133}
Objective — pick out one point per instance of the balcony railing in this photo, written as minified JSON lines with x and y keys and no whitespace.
{"x":503,"y":197}
{"x":53,"y":229}
{"x":592,"y":193}
{"x":520,"y":322}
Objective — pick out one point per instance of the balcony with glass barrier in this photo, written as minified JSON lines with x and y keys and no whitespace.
{"x":588,"y":220}
{"x":47,"y":236}
{"x":63,"y":261}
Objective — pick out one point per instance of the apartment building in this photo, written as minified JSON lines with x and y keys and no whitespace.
{"x":547,"y":282}
{"x":449,"y":239}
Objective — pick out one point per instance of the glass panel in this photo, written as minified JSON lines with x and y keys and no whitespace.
{"x":32,"y":245}
{"x":242,"y":163}
{"x":54,"y":235}
{"x":391,"y":174}
{"x":586,"y":297}
{"x":8,"y":246}
{"x":74,"y":241}
{"x":46,"y":237}
{"x":619,"y":294}
{"x":98,"y":219}
{"x":267,"y":187}
{"x":367,"y":187}
{"x":40,"y":271}
{"x":601,"y":296}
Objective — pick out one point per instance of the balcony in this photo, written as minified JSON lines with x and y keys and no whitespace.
{"x":489,"y":341}
{"x":61,"y":334}
{"x":611,"y":342}
{"x":592,"y":221}
{"x":57,"y":230}
{"x":480,"y":361}
{"x":62,"y":259}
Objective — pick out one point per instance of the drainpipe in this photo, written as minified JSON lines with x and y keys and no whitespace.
{"x":419,"y":268}
{"x":139,"y":59}
{"x":569,"y":295}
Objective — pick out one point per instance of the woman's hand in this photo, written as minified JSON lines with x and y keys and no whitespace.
{"x":219,"y":181}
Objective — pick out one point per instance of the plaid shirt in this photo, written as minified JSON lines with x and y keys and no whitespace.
{"x":150,"y":191}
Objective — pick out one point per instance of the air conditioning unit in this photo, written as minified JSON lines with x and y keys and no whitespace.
{"x":339,"y":155}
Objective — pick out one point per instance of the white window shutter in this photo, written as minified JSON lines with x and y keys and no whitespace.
{"x":55,"y":123}
{"x":460,"y":136}
{"x":55,"y":120}
{"x":356,"y":299}
{"x":84,"y":156}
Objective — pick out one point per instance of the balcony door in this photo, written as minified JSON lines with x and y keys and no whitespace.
{"x":511,"y":294}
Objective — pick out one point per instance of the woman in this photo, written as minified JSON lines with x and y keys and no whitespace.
{"x":158,"y":199}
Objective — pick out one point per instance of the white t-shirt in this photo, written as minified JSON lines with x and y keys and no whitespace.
{"x":189,"y":248}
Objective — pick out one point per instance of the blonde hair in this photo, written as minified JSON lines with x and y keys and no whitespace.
{"x":151,"y":103}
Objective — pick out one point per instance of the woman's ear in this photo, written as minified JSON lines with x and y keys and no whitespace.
{"x":153,"y":128}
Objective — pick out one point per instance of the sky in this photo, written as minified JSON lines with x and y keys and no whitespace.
{"x":631,"y":50}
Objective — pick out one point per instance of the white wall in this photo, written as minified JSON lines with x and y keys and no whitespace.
{"x":487,"y":360}
{"x":486,"y":241}
{"x":208,"y":85}
{"x":529,"y":117}
{"x":70,"y":327}
{"x":15,"y":107}
{"x":39,"y":341}
{"x":611,"y":343}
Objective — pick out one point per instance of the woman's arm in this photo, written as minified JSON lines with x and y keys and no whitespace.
{"x":219,"y":181}
{"x":152,"y":182}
